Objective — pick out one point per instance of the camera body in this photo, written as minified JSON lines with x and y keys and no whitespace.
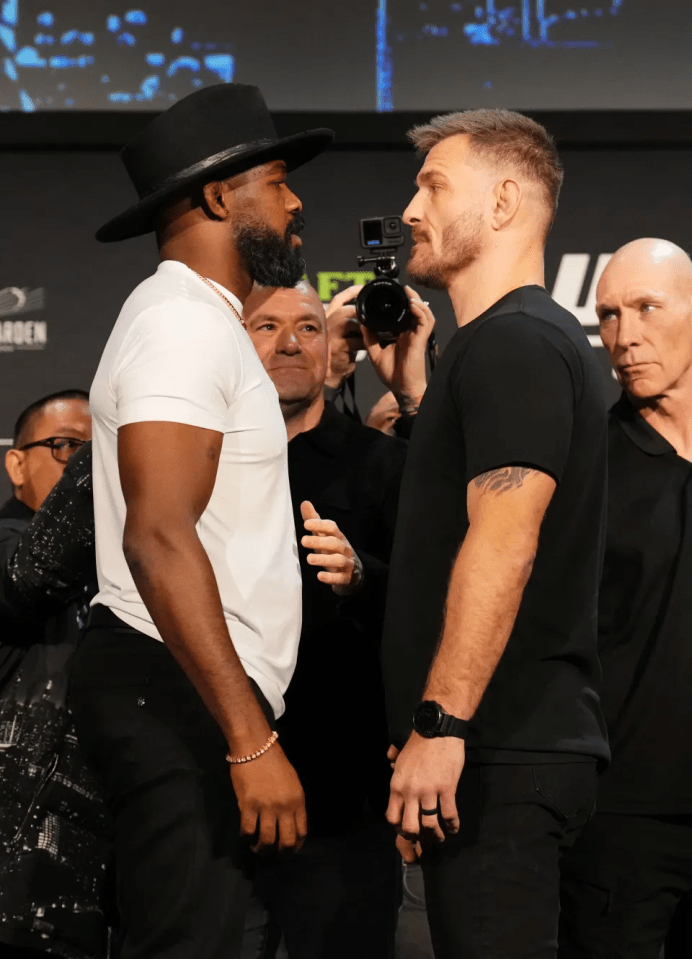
{"x":382,"y":305}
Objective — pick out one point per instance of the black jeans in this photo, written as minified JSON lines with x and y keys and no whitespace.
{"x":621,"y":884}
{"x":492,"y":891}
{"x":337,"y":899}
{"x":182,"y":880}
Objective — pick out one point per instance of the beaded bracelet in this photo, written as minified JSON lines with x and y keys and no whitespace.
{"x":246,"y":759}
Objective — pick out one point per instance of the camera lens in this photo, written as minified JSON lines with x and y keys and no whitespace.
{"x":383,"y":307}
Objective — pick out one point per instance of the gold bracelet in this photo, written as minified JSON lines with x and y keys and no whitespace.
{"x":246,"y":759}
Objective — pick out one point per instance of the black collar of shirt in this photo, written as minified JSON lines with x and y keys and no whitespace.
{"x":15,"y":509}
{"x":639,"y":431}
{"x":330,"y":433}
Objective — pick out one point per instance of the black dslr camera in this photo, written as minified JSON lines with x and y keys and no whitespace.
{"x":382,"y":305}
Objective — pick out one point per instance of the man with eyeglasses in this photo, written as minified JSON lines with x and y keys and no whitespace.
{"x":46,"y":434}
{"x":54,"y":843}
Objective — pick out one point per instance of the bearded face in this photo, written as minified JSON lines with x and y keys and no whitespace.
{"x":434,"y":265}
{"x":272,"y":260}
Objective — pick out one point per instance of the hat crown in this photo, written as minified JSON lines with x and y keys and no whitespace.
{"x":202,"y":125}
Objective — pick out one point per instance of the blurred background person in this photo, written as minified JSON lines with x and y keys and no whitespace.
{"x":340,"y":896}
{"x":45,"y":435}
{"x":54,"y":833}
{"x":632,"y":865}
{"x":384,"y":414}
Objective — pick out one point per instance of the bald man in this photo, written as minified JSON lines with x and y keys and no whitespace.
{"x":633,"y":862}
{"x":340,"y":896}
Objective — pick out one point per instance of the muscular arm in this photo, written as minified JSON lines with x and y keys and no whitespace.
{"x":514,"y":390}
{"x":167,"y":472}
{"x":506,"y":508}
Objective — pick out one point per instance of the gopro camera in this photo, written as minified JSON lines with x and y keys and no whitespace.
{"x":382,"y":305}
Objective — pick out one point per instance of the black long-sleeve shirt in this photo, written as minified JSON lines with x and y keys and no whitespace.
{"x":334,"y":729}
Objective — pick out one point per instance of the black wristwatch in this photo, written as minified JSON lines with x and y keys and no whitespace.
{"x":430,"y":720}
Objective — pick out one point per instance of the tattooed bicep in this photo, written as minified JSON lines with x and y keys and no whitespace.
{"x":503,"y":479}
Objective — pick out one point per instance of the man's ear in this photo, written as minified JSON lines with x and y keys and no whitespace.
{"x":507,"y":195}
{"x":215,"y":199}
{"x":15,"y":466}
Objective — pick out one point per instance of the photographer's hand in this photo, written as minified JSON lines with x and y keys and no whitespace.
{"x":345,"y":336}
{"x":401,"y":365}
{"x":343,"y":570}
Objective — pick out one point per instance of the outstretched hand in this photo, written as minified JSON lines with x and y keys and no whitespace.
{"x":342,"y":569}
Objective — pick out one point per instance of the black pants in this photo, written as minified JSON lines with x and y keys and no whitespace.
{"x":679,"y":936}
{"x":181,"y":878}
{"x":621,"y":884}
{"x":338,"y":899}
{"x":17,"y":952}
{"x":492,"y":891}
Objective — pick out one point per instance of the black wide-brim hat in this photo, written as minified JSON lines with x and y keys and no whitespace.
{"x":214,"y":132}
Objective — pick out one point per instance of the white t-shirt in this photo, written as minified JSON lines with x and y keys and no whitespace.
{"x":178,"y":354}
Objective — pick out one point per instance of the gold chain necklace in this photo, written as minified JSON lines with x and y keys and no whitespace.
{"x":224,"y":298}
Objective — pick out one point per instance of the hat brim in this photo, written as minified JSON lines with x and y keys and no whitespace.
{"x":141,"y":217}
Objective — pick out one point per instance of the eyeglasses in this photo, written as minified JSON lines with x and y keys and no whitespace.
{"x":62,"y":447}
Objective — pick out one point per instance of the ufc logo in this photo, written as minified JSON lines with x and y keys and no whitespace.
{"x":569,"y":286}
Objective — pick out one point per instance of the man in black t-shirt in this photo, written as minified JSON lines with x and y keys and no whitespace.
{"x":633,"y":863}
{"x":490,"y":636}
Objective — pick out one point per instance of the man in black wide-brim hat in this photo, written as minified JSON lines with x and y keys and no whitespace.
{"x":193,"y":635}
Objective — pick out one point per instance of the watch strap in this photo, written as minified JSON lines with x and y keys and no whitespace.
{"x":451,"y":726}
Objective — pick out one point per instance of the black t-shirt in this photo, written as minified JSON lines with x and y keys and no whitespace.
{"x":645,"y":621}
{"x":517,"y":385}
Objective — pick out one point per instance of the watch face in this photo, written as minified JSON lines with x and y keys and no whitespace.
{"x":426,"y":718}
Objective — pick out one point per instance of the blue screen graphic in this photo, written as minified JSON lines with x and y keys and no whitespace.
{"x":534,"y":54}
{"x":371,"y":54}
{"x":121,"y":59}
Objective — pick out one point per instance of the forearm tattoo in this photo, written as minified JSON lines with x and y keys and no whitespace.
{"x":504,"y":479}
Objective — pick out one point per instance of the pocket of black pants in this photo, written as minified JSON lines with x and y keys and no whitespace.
{"x":569,"y":789}
{"x":107,"y":713}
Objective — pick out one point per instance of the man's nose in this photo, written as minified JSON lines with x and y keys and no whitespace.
{"x":293,"y":204}
{"x":411,"y":213}
{"x":288,"y":343}
{"x":628,"y":330}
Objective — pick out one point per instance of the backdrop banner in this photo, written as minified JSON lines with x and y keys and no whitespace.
{"x":60,"y":290}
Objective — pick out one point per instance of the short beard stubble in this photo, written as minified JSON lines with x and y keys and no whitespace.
{"x":461,"y":246}
{"x":269,"y":258}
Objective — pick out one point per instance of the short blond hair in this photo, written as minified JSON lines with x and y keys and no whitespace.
{"x":504,"y":138}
